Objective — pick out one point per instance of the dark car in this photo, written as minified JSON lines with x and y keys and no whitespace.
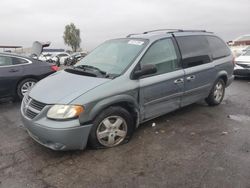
{"x":19,"y":73}
{"x":74,"y":58}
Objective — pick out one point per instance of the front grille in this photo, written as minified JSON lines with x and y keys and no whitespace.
{"x":244,"y":65}
{"x":30,"y":114}
{"x":31,"y":107}
{"x":37,"y":105}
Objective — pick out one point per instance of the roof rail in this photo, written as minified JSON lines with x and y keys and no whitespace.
{"x":194,"y":30}
{"x":168,"y":31}
{"x":146,"y":32}
{"x":133,"y":34}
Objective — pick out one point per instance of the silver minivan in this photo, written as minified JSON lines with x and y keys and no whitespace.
{"x":124,"y":82}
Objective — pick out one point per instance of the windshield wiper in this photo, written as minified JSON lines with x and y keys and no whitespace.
{"x":91,"y":67}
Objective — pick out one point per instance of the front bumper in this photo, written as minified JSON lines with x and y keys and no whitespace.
{"x":43,"y":130}
{"x":242,"y":72}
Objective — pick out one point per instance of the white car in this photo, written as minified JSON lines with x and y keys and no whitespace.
{"x":62,"y":56}
{"x":45,"y":57}
{"x":242,"y":64}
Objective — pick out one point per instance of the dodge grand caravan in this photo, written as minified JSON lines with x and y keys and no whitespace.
{"x":124,"y":82}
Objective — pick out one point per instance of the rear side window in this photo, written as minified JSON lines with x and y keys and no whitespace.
{"x":194,"y":49}
{"x":162,"y":54}
{"x":18,"y":61}
{"x":218,"y":47}
{"x":5,"y":61}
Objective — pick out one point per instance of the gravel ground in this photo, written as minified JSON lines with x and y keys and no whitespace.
{"x":197,"y":146}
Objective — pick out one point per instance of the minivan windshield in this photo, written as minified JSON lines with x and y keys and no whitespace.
{"x":114,"y":56}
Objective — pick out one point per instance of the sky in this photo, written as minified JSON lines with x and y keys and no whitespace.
{"x":23,"y":22}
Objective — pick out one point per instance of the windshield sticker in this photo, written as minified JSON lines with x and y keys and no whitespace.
{"x":136,"y":42}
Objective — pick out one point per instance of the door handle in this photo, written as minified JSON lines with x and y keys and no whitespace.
{"x":189,"y":78}
{"x":179,"y":81}
{"x":13,"y":70}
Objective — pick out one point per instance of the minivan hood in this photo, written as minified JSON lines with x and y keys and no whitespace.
{"x":63,"y":87}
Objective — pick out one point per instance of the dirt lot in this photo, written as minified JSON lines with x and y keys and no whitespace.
{"x":197,"y":146}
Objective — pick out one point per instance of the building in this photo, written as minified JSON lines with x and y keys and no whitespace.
{"x":6,"y":48}
{"x":239,"y":45}
{"x":243,"y":40}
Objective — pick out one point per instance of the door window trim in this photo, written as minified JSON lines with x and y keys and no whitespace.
{"x":4,"y":66}
{"x":178,"y":55}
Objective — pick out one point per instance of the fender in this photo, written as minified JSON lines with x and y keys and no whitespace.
{"x":113,"y":100}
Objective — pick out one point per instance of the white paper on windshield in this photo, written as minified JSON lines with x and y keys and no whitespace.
{"x":135,"y":42}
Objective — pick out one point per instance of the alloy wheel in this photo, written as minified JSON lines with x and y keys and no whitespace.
{"x":112,"y":131}
{"x":27,"y":86}
{"x":218,"y":92}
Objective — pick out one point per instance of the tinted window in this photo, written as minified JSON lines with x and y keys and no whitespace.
{"x":18,"y":61}
{"x":5,"y":61}
{"x":162,"y":54}
{"x":218,"y":47}
{"x":195,"y":50}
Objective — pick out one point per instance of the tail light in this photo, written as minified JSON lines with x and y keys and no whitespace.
{"x":54,"y":68}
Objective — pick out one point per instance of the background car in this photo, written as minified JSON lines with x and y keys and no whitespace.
{"x":60,"y":57}
{"x":74,"y":58}
{"x":242,"y":64}
{"x":45,"y":57}
{"x":18,"y":74}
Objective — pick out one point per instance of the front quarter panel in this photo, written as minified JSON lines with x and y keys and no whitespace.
{"x":118,"y":90}
{"x":94,"y":109}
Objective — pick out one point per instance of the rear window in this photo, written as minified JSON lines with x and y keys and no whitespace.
{"x":194,"y":49}
{"x":218,"y":47}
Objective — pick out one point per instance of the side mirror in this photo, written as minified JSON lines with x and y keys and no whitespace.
{"x":145,"y":70}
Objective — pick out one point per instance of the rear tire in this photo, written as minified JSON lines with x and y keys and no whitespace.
{"x":24,"y":86}
{"x":217,"y":93}
{"x":112,"y":127}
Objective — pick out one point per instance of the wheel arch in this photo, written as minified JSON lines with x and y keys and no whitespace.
{"x":23,"y":78}
{"x":125,"y":101}
{"x":223,"y":75}
{"x":26,"y":77}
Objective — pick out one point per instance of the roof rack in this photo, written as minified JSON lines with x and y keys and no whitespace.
{"x":167,"y":31}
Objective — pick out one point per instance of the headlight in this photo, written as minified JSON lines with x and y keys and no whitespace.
{"x":63,"y":112}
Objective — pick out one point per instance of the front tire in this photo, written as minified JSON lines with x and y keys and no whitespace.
{"x":24,"y":86}
{"x":217,"y":93}
{"x":113,"y":127}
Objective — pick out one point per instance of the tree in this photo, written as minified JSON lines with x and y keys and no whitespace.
{"x":72,"y":37}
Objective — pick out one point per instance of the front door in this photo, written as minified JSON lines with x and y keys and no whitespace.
{"x":161,"y":93}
